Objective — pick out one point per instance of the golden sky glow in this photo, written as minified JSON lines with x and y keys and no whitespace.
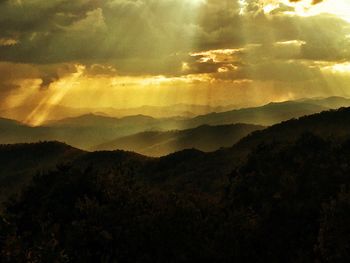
{"x":123,"y":53}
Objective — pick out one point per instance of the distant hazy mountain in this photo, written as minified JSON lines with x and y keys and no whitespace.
{"x":92,"y":120}
{"x":205,"y":138}
{"x":57,"y":112}
{"x":83,"y":132}
{"x":330,"y":102}
{"x":89,"y":130}
{"x":180,"y":110}
{"x":266,"y":115}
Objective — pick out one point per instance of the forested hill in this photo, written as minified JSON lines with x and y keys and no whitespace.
{"x":332,"y":124}
{"x":287,"y":200}
{"x":19,"y":162}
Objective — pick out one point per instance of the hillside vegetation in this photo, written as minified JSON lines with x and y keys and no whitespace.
{"x":278,"y":195}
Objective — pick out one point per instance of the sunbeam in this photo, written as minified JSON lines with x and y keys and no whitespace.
{"x":61,"y":88}
{"x":207,"y":52}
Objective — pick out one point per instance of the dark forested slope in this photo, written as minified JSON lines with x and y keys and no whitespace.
{"x":19,"y":162}
{"x":288,"y":203}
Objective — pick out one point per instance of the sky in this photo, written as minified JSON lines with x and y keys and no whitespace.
{"x":128,"y":53}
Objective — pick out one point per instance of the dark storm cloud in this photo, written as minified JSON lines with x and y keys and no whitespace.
{"x":51,"y":73}
{"x":138,"y":37}
{"x":128,"y":33}
{"x":12,"y":74}
{"x":36,"y":15}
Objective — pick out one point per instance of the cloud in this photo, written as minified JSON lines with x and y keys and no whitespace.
{"x":15,"y":76}
{"x":314,"y":2}
{"x":139,"y":36}
{"x":223,"y":40}
{"x":12,"y":74}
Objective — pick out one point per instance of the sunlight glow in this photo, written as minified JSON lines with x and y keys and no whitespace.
{"x":8,"y":42}
{"x":343,"y":68}
{"x":269,"y":8}
{"x":61,"y":88}
{"x":291,"y":42}
{"x":218,"y":55}
{"x":243,"y":6}
{"x":306,"y":8}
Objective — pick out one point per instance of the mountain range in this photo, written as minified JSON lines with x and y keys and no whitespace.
{"x":56,"y":112}
{"x":155,"y":136}
{"x":205,"y":138}
{"x":186,"y":169}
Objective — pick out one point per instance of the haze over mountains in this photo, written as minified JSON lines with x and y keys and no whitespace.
{"x":161,"y":136}
{"x":181,"y":170}
{"x":205,"y":138}
{"x":57,"y":112}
